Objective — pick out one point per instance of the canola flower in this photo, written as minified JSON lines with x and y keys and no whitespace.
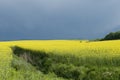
{"x":74,"y":47}
{"x":104,"y":53}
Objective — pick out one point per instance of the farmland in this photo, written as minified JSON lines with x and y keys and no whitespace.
{"x":63,"y":59}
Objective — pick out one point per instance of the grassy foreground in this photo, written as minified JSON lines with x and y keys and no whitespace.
{"x":61,"y":59}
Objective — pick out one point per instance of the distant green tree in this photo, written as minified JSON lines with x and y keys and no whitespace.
{"x":112,"y":36}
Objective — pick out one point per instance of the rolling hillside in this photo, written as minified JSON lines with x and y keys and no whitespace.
{"x":60,"y":60}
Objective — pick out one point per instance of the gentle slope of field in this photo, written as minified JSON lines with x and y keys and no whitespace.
{"x":79,"y":48}
{"x":91,"y":60}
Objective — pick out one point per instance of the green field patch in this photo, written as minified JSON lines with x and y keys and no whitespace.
{"x":70,"y":66}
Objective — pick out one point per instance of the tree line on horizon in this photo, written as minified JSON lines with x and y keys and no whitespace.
{"x":112,"y":36}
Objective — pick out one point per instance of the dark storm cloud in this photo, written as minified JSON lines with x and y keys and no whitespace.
{"x":57,"y":19}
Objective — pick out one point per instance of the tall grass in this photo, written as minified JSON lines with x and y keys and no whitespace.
{"x":15,"y":68}
{"x":53,"y":59}
{"x":72,"y":67}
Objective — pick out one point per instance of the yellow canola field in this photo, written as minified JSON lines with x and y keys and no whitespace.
{"x":73,"y":47}
{"x":100,"y":53}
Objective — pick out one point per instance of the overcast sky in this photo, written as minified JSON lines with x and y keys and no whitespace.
{"x":58,"y":19}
